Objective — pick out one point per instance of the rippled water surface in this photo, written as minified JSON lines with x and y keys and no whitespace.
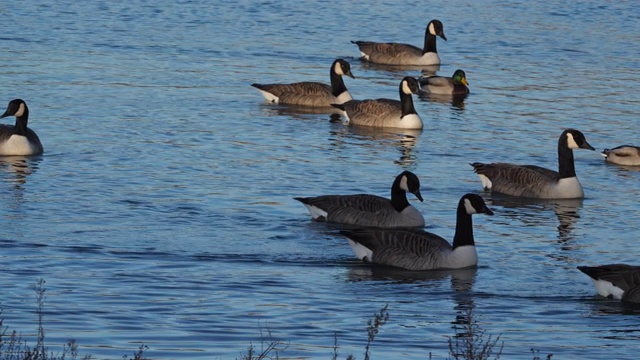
{"x":161,"y":212}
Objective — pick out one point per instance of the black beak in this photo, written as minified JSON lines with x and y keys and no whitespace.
{"x":418,"y":195}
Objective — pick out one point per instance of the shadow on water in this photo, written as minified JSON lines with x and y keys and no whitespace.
{"x":419,"y":70}
{"x":466,"y":329}
{"x":295,"y":111}
{"x":404,"y":140}
{"x":462,"y":280}
{"x":456,"y":101}
{"x":531,"y":212}
{"x":606,"y":307}
{"x":626,"y":171}
{"x":19,"y":168}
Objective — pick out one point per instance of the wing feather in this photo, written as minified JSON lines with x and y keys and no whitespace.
{"x":517,"y":180}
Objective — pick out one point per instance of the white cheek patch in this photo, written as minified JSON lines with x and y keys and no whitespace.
{"x":405,"y":88}
{"x":403,"y":184}
{"x":571,"y":142}
{"x":470,"y":209}
{"x":432,"y":29}
{"x":338,"y":69}
{"x":20,"y":111}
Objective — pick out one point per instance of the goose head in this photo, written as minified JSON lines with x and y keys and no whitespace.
{"x":342,"y":67}
{"x":409,"y":85}
{"x":460,"y":78}
{"x":435,"y":28}
{"x":410,"y":182}
{"x":474,"y":204}
{"x":574,"y":139}
{"x":17,"y":108}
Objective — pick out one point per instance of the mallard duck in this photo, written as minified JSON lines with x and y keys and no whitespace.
{"x":443,"y":85}
{"x":623,"y":155}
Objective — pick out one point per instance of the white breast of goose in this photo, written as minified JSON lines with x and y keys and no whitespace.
{"x":429,"y":58}
{"x":411,"y":216}
{"x":461,"y":257}
{"x":410,"y":121}
{"x":343,"y":97}
{"x":17,"y":145}
{"x":568,"y":188}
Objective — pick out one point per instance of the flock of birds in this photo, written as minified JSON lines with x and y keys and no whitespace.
{"x":389,"y":230}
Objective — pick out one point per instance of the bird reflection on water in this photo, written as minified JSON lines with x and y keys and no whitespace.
{"x":532,"y":212}
{"x":456,"y":101}
{"x":404,"y":140}
{"x":420,"y":70}
{"x":18,"y":168}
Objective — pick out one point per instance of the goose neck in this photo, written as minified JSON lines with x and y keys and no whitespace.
{"x":337,"y":83}
{"x":21,"y":123}
{"x":566,"y":166}
{"x":398,"y":196}
{"x":464,"y":227}
{"x":429,"y":42}
{"x":406,"y":103}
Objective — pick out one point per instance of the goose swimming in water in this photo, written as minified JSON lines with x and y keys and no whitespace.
{"x":533,"y":181}
{"x":18,"y":139}
{"x":310,"y":93}
{"x":370,"y":210}
{"x":404,"y":54}
{"x":617,"y":281}
{"x":414,"y":249}
{"x":386,"y":113}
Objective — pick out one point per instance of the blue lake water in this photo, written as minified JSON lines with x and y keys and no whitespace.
{"x":161,"y":212}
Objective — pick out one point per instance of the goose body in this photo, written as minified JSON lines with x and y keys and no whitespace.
{"x":414,"y":249}
{"x":309,"y":93}
{"x":443,"y":85}
{"x":391,"y":53}
{"x":617,"y":281}
{"x":533,"y":181}
{"x":623,"y":155}
{"x":18,"y":139}
{"x":370,"y":210}
{"x":384,"y":112}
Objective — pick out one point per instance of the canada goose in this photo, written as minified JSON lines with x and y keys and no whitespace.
{"x":370,"y":210}
{"x":455,"y":85}
{"x":533,"y":181}
{"x":404,"y":54}
{"x":623,"y":155}
{"x":18,"y":139}
{"x":310,"y":93}
{"x":618,"y":281}
{"x":414,"y":249}
{"x":385,"y":112}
